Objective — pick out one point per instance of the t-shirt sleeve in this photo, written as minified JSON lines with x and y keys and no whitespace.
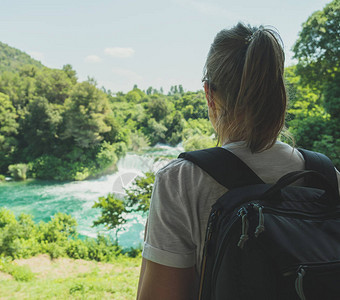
{"x":168,"y":237}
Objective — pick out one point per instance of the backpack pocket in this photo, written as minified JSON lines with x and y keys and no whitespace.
{"x":318,"y":281}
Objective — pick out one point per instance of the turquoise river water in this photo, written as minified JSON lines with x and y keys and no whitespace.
{"x":42,"y":199}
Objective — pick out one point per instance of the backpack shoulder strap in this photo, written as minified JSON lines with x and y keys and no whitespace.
{"x":222,"y":165}
{"x":321,"y":163}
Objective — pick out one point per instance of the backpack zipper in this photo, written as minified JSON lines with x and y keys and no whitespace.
{"x":210,"y":230}
{"x":299,"y":215}
{"x":241,"y":212}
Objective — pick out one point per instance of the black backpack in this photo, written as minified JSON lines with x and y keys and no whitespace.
{"x":271,"y":241}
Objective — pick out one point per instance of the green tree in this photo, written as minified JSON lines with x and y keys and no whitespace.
{"x":71,"y":74}
{"x":54,"y":85}
{"x":8,"y":131}
{"x":158,"y":108}
{"x":138,"y":198}
{"x":112,"y":209}
{"x":41,"y":127}
{"x":20,"y":87}
{"x":318,"y":52}
{"x":139,"y":194}
{"x":86,"y":110}
{"x":318,"y":46}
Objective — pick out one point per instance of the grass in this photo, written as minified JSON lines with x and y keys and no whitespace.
{"x":66,"y":278}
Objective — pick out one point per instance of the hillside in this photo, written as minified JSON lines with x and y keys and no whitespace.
{"x":12,"y":59}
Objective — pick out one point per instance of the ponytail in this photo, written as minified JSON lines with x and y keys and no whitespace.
{"x":246,"y":66}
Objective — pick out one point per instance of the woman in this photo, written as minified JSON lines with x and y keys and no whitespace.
{"x":247,"y":101}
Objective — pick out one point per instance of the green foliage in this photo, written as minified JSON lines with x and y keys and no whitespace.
{"x":138,"y":141}
{"x":59,"y":229}
{"x":139,"y":194}
{"x":330,"y":146}
{"x":138,"y":197}
{"x":47,"y":166}
{"x":316,"y":122}
{"x":19,"y":273}
{"x":48,"y":120}
{"x":331,"y":96}
{"x":193,"y":105}
{"x":68,"y":130}
{"x":135,"y":96}
{"x":41,"y":126}
{"x":86,"y":109}
{"x":8,"y":116}
{"x":198,"y":127}
{"x":22,"y":238}
{"x":197,"y":142}
{"x":112,"y":209}
{"x":107,"y":155}
{"x":155,"y":131}
{"x":8,"y":131}
{"x":54,"y":85}
{"x":12,"y":59}
{"x":6,"y":217}
{"x":18,"y":171}
{"x":17,"y":237}
{"x":318,"y":46}
{"x":158,"y":108}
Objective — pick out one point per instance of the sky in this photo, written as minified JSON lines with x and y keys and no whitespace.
{"x":156,"y":43}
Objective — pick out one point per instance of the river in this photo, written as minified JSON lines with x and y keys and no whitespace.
{"x":42,"y":198}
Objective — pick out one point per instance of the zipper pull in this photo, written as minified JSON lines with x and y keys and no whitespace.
{"x":299,"y":283}
{"x":245,"y":226}
{"x":260,"y":227}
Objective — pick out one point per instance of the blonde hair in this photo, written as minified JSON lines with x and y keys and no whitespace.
{"x":245,"y":68}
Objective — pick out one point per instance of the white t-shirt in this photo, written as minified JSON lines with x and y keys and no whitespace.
{"x":183,"y":195}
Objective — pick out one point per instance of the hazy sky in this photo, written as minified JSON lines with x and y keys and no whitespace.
{"x":146,"y":42}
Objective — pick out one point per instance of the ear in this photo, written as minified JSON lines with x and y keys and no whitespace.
{"x":209,"y":95}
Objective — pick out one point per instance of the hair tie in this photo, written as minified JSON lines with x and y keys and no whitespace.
{"x":250,"y":38}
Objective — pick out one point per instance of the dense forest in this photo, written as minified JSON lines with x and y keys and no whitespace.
{"x":54,"y":127}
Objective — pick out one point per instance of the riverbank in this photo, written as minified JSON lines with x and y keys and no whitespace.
{"x":66,"y":278}
{"x":44,"y":198}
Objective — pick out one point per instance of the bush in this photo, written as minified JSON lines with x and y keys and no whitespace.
{"x":138,"y":141}
{"x":47,"y":167}
{"x":77,"y":249}
{"x":106,"y":156}
{"x":20,"y":273}
{"x":22,"y":238}
{"x":18,"y":171}
{"x":2,"y":177}
{"x":133,"y":252}
{"x":18,"y":238}
{"x":6,"y":217}
{"x":198,"y":142}
{"x":55,"y":250}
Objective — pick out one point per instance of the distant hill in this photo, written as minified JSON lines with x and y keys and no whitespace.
{"x":12,"y":59}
